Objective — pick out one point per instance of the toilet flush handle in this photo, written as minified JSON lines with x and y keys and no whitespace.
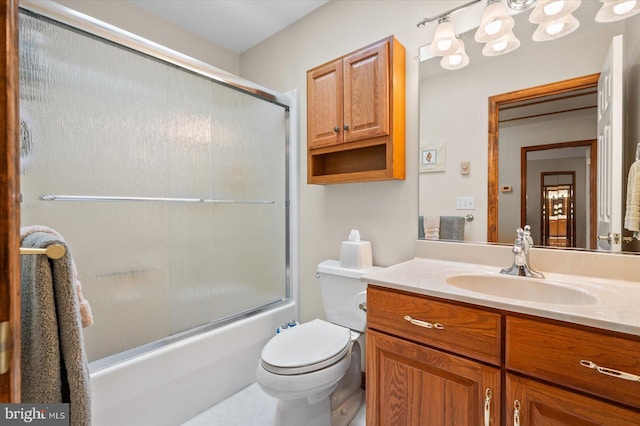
{"x":363,"y":306}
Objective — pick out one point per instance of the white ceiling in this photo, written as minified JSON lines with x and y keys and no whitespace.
{"x":236,"y":25}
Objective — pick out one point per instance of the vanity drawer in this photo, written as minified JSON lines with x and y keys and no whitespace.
{"x":463,"y":330}
{"x":554,"y":353}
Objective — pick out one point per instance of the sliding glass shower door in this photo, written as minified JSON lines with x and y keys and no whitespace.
{"x":169,"y":187}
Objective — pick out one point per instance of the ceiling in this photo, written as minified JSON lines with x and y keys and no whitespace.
{"x":236,"y":25}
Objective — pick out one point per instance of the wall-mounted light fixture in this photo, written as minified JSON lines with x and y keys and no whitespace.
{"x":457,"y":59}
{"x":444,"y":40}
{"x":615,"y":10}
{"x":553,"y":17}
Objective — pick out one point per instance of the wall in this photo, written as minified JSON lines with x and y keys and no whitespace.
{"x":384,"y":212}
{"x":128,"y":17}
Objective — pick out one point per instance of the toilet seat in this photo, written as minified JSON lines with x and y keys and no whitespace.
{"x":306,"y":348}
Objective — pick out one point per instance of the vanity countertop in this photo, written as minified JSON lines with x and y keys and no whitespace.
{"x":615,"y":309}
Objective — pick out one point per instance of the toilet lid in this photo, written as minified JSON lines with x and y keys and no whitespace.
{"x":307,"y":347}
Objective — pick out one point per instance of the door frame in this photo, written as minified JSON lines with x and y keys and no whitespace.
{"x":9,"y":199}
{"x":501,"y":100}
{"x":591,"y":191}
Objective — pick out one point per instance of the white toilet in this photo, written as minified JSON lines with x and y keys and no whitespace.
{"x":314,"y":369}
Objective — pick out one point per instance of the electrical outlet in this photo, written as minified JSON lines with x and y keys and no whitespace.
{"x":465,"y":203}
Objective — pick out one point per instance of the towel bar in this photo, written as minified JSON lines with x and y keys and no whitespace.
{"x":54,"y":251}
{"x":171,"y":200}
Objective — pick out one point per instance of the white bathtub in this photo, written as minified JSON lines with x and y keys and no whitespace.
{"x":174,"y":383}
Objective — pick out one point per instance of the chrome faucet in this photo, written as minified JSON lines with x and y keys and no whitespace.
{"x":521,"y":266}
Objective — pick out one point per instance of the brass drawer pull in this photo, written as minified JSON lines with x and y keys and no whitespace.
{"x":487,"y":407}
{"x":610,"y":372}
{"x":424,"y":324}
{"x":516,"y":413}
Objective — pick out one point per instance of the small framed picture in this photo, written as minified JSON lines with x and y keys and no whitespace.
{"x":432,"y":158}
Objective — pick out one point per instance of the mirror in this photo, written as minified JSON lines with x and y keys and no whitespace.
{"x":458,"y":132}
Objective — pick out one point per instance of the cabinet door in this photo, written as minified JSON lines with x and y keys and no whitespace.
{"x":544,"y":405}
{"x":324,"y":105}
{"x":410,"y":384}
{"x":366,"y":93}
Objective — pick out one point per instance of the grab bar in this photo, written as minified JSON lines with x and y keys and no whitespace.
{"x":148,"y":199}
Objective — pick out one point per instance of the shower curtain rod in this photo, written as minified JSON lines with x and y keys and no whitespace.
{"x":54,"y":251}
{"x":153,"y":199}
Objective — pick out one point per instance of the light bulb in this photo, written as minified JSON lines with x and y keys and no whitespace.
{"x":554,"y":28}
{"x":499,"y":46}
{"x":624,"y":7}
{"x":455,"y":59}
{"x":493,"y":27}
{"x":553,"y":8}
{"x":444,"y":44}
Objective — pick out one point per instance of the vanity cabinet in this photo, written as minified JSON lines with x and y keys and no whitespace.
{"x":431,"y":359}
{"x":356,"y":116}
{"x":420,"y":366}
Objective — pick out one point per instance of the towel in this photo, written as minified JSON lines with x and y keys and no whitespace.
{"x":85,"y":308}
{"x":632,"y":213}
{"x":54,"y":363}
{"x":432,"y":227}
{"x":452,"y":228}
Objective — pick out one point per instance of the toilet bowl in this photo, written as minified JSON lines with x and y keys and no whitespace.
{"x":314,"y":369}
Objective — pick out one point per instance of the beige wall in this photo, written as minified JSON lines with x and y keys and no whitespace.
{"x":130,"y":18}
{"x":384,"y":212}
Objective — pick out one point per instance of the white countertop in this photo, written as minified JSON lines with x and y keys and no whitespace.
{"x":616,"y":306}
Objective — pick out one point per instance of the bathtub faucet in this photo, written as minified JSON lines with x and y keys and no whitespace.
{"x":521,"y":266}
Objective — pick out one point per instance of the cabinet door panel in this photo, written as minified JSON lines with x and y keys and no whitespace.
{"x":324,"y":105}
{"x":366,"y":93}
{"x":544,"y":405}
{"x":409,"y":384}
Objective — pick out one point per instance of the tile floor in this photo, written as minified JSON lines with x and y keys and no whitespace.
{"x":249,"y":407}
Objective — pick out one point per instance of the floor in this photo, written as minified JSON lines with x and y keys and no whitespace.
{"x":249,"y":407}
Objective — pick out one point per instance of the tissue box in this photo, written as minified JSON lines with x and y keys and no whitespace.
{"x":355,"y":255}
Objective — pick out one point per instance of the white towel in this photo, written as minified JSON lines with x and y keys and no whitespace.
{"x":632,"y":213}
{"x":431,"y":227}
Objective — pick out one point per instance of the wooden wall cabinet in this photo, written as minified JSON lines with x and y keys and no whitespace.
{"x":432,"y":361}
{"x":356,"y":116}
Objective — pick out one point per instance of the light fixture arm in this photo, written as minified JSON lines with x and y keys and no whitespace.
{"x":425,"y":21}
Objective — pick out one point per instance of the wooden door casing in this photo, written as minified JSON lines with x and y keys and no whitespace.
{"x":9,"y":200}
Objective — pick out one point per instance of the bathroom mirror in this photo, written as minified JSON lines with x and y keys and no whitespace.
{"x":454,"y":111}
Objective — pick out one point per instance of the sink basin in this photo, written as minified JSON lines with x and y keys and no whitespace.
{"x":522,"y":288}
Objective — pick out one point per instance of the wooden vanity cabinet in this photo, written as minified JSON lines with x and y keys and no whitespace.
{"x":413,"y":378}
{"x":430,"y":361}
{"x":356,"y":116}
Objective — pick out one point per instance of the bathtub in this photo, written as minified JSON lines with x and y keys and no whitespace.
{"x":174,"y":383}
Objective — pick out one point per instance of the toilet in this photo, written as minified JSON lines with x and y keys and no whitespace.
{"x":314,"y":369}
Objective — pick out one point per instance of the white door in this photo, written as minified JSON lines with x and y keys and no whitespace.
{"x":610,"y":141}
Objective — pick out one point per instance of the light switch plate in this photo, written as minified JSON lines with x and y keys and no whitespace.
{"x":465,"y":203}
{"x":465,"y":168}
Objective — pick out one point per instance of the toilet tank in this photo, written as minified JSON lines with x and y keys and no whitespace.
{"x":342,"y":293}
